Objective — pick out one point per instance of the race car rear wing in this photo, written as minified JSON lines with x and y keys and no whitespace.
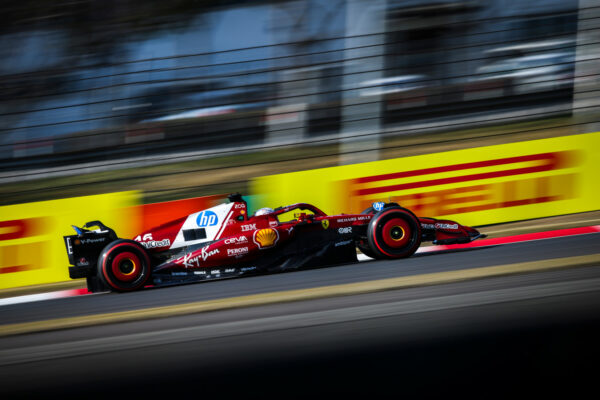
{"x":84,"y":248}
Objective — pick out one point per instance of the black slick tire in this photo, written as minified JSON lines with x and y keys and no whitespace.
{"x":124,"y":265}
{"x":394,"y":232}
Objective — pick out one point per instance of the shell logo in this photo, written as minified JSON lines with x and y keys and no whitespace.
{"x":265,"y":238}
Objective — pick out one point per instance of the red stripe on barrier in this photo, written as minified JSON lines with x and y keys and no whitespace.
{"x":549,"y":157}
{"x":16,"y":268}
{"x":454,"y":179}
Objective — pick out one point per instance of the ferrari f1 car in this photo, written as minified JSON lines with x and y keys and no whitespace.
{"x":224,"y":241}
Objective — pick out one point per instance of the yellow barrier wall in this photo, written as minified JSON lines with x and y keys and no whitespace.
{"x":32,"y":249}
{"x":478,"y":186}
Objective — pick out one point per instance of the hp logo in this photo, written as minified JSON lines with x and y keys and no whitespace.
{"x":378,"y":205}
{"x":207,"y":218}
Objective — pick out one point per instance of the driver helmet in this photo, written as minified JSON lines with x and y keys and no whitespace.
{"x":263,"y":211}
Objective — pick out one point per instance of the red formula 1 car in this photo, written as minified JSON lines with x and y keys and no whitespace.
{"x":224,"y":241}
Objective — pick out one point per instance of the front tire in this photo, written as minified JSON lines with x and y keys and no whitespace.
{"x":394,"y":232}
{"x":124,"y":266}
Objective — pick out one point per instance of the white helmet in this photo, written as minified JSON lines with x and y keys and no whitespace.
{"x":263,"y":211}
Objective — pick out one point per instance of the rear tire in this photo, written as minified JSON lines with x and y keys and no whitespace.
{"x":124,"y":266}
{"x":394,"y":232}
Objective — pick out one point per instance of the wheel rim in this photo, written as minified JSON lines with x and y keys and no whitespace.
{"x":396,"y":233}
{"x":126,"y":266}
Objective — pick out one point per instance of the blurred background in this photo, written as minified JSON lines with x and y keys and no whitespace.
{"x":188,"y":97}
{"x":144,"y":102}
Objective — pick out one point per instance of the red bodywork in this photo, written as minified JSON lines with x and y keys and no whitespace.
{"x":243,"y":238}
{"x":224,"y":241}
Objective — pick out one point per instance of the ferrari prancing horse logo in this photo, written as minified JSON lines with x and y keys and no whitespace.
{"x":325,"y":223}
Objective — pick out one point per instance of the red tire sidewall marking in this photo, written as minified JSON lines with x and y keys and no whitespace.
{"x":137,"y":267}
{"x":107,"y":276}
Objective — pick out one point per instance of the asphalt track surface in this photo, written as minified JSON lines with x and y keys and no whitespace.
{"x":534,"y":334}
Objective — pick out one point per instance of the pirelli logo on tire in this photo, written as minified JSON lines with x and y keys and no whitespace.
{"x":478,"y":186}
